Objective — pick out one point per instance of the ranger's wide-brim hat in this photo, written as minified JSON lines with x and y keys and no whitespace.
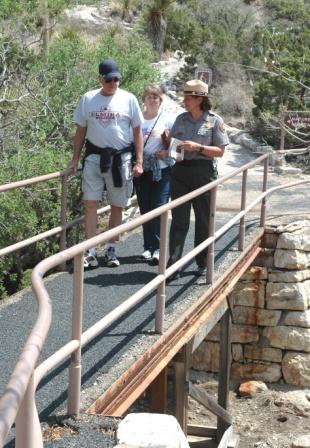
{"x":195,"y":87}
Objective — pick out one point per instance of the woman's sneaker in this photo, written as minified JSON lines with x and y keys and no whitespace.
{"x":110,"y":257}
{"x":155,"y":258}
{"x":90,"y":260}
{"x":146,"y":255}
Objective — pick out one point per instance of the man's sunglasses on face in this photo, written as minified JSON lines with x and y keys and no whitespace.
{"x":111,"y":79}
{"x":115,"y":79}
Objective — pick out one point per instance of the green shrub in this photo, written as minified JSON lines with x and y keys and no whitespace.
{"x":38,"y":137}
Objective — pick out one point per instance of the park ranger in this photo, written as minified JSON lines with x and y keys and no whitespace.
{"x":203,"y":138}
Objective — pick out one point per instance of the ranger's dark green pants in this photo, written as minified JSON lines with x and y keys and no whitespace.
{"x":187,"y":176}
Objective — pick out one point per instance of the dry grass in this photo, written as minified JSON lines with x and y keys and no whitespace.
{"x":57,"y":432}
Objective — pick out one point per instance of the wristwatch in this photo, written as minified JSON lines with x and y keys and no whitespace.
{"x":201,"y":149}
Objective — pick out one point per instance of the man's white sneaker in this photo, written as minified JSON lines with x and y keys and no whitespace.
{"x":146,"y":255}
{"x":110,"y":257}
{"x":90,"y":260}
{"x":155,"y":257}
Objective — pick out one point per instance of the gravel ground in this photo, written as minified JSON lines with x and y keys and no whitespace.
{"x":274,"y":418}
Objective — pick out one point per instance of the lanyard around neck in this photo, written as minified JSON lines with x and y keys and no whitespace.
{"x":147,"y":138}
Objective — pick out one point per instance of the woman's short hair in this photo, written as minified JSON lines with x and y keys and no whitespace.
{"x":153,"y":90}
{"x":205,"y":104}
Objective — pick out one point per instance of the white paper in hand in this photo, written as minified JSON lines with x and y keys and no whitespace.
{"x":173,"y":151}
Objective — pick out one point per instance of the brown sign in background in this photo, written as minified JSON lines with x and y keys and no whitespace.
{"x":204,"y":74}
{"x":296,"y":119}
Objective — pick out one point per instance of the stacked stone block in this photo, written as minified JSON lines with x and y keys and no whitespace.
{"x":271,"y":314}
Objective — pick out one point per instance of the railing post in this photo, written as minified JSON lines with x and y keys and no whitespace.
{"x":263,"y":207}
{"x":210,"y":256}
{"x":28,"y":428}
{"x":63,"y":214}
{"x":224,"y":369}
{"x":161,"y":290}
{"x":75,"y":368}
{"x":243,"y":204}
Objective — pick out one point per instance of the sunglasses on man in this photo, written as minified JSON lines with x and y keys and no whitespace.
{"x":114,"y":78}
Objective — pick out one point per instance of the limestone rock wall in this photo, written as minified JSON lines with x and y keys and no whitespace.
{"x":271,"y":314}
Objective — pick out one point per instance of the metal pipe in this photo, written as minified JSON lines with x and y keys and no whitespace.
{"x":243,"y":204}
{"x":161,"y":291}
{"x":123,"y":308}
{"x":14,"y":247}
{"x":161,"y":209}
{"x":33,"y":180}
{"x":63,"y":210}
{"x":68,"y":254}
{"x":15,"y":390}
{"x":75,"y":368}
{"x":55,"y":359}
{"x":113,"y":233}
{"x":48,"y":233}
{"x":210,"y":255}
{"x":63,"y":215}
{"x":21,"y":376}
{"x":28,"y":428}
{"x":174,"y":338}
{"x":263,"y":207}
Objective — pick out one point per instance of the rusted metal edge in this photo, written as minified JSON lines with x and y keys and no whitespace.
{"x":132,"y":383}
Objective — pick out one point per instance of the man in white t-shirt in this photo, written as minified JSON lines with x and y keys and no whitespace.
{"x":109,"y":123}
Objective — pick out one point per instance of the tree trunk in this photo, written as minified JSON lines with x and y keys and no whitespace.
{"x":45,"y":29}
{"x":158,"y":28}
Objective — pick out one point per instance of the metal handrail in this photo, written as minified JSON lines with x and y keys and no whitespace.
{"x":32,"y":181}
{"x":18,"y":400}
{"x":63,"y":174}
{"x":64,"y":225}
{"x":8,"y":400}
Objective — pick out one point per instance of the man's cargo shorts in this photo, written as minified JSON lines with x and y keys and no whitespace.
{"x":93,"y":182}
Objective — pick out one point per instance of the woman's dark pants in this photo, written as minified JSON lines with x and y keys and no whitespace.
{"x":187,"y":176}
{"x":152,"y":194}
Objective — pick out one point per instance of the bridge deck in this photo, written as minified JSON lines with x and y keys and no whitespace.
{"x":106,"y":358}
{"x":109,"y":355}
